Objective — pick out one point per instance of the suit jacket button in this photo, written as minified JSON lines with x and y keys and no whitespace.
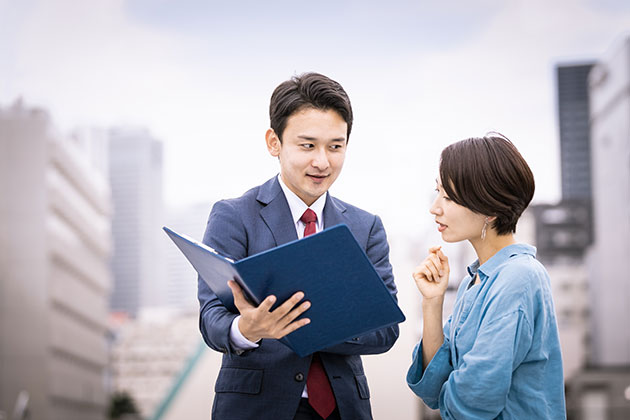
{"x":299,"y":377}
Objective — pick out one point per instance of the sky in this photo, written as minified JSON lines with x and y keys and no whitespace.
{"x":199,"y":74}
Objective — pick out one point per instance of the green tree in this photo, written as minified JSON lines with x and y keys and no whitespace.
{"x":121,"y":404}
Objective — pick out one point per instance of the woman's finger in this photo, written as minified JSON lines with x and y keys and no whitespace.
{"x":435,"y":261}
{"x":432,"y":268}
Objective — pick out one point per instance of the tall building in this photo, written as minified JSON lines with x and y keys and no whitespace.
{"x":610,"y":122}
{"x":55,"y":244}
{"x":135,"y":173}
{"x":573,"y":112}
{"x":602,"y":389}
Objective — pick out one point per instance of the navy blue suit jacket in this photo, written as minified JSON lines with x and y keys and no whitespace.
{"x":267,"y":382}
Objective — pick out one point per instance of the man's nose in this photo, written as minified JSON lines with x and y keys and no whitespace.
{"x":320,"y":160}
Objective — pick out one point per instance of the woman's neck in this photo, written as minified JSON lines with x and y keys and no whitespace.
{"x":492,"y":244}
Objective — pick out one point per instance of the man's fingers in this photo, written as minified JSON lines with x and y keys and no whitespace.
{"x":288,"y":318}
{"x":239,"y":298}
{"x":289,"y":304}
{"x":266,"y":304}
{"x":294,"y":326}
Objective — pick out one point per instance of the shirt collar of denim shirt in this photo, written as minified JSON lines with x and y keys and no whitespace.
{"x":489,"y":267}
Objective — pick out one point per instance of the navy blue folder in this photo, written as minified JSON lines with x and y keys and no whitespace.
{"x":348,"y":298}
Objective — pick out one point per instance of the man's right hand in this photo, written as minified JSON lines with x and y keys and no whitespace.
{"x":260,"y":322}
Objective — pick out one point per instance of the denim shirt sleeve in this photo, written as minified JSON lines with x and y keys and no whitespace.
{"x":427,"y":383}
{"x":478,"y":388}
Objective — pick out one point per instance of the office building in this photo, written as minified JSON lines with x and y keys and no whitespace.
{"x":135,"y":173}
{"x":55,"y":244}
{"x":602,"y":389}
{"x":573,"y":112}
{"x":610,"y":145}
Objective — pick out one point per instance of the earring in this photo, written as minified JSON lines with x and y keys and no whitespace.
{"x":483,"y":230}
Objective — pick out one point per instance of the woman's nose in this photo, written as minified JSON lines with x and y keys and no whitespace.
{"x":435,"y":209}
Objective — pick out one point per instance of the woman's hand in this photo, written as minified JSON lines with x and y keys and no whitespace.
{"x":431,"y":275}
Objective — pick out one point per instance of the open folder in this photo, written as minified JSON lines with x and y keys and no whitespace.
{"x":348,"y":298}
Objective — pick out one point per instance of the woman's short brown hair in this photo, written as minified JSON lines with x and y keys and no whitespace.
{"x":488,"y":176}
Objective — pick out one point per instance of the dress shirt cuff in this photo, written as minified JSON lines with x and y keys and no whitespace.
{"x":427,"y":383}
{"x":238,"y":340}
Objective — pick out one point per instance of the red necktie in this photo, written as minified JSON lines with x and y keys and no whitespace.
{"x":320,"y":394}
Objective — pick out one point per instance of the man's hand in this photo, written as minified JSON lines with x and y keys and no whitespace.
{"x":259,"y":322}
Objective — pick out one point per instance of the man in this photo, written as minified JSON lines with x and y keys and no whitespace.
{"x":260,"y":378}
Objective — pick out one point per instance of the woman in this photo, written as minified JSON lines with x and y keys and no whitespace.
{"x":498,"y":355}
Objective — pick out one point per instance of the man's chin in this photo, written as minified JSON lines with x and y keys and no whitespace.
{"x":316,"y":193}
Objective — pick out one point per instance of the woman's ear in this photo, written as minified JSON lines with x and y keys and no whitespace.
{"x":273,"y":143}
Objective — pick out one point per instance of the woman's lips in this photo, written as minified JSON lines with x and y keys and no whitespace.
{"x":441,"y":227}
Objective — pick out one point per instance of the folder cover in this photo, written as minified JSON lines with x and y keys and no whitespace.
{"x":348,"y":297}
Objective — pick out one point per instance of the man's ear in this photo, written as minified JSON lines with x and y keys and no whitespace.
{"x":273,"y":143}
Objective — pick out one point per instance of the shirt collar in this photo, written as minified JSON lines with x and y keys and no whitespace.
{"x":498,"y":259}
{"x":298,"y":207}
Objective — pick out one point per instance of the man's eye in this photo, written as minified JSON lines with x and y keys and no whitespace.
{"x":307,"y":146}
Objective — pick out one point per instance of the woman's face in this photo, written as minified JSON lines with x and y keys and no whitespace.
{"x":455,"y":223}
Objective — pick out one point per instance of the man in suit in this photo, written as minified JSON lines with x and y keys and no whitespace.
{"x":260,"y":378}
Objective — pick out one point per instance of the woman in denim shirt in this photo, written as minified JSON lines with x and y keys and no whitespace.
{"x":498,"y":355}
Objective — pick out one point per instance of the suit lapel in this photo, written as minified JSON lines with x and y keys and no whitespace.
{"x":276,"y":213}
{"x":333,"y":212}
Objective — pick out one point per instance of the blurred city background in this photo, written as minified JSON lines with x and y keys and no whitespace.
{"x":118,"y":117}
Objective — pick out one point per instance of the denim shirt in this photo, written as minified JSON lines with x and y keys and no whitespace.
{"x":501,"y":353}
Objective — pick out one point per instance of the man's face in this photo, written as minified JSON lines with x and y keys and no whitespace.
{"x":312,"y":151}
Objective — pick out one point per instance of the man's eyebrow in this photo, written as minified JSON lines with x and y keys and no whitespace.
{"x":309,"y":138}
